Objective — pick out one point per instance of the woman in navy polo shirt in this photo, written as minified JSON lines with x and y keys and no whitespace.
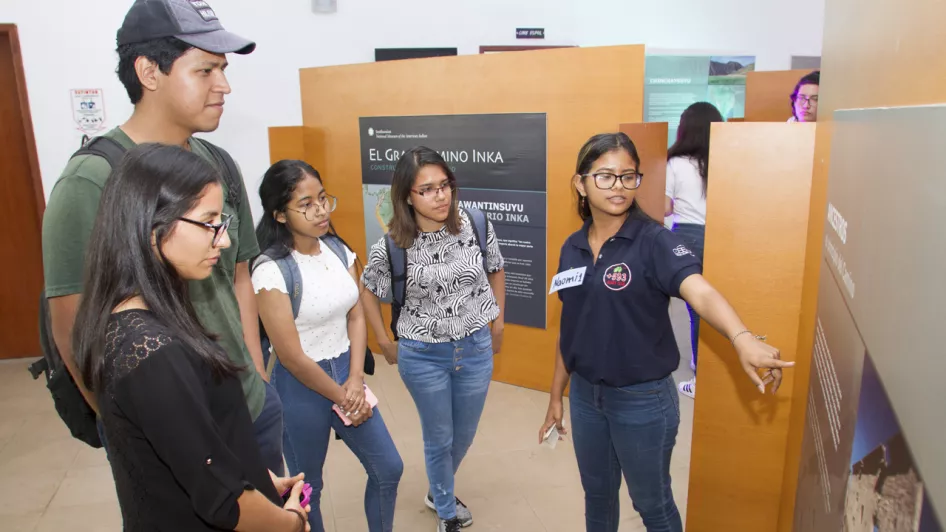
{"x":616,"y":346}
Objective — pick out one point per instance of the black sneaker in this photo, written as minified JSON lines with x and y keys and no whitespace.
{"x":449,"y":525}
{"x":463,"y":513}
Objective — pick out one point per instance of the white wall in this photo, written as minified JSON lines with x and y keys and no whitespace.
{"x":70,"y":44}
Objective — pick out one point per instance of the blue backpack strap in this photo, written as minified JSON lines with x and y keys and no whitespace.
{"x":290,"y":274}
{"x":478,"y":221}
{"x":338,"y":248}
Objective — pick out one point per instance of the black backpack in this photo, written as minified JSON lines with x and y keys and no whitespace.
{"x":397,"y":261}
{"x":68,"y":400}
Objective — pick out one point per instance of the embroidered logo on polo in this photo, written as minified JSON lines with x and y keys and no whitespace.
{"x":617,"y":277}
{"x":681,"y":250}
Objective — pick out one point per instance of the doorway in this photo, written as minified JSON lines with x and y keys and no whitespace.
{"x":21,"y":209}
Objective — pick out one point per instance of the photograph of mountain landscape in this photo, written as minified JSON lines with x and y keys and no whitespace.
{"x":730,"y":70}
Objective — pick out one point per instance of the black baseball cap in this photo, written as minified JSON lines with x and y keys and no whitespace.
{"x":191,"y":21}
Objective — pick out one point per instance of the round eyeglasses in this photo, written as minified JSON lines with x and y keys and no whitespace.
{"x":311,"y":210}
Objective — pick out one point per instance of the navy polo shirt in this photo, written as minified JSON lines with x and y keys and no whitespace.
{"x":615,"y":327}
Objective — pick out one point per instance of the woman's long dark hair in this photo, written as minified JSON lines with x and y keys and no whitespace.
{"x":693,"y":136}
{"x":143,"y":199}
{"x":275,"y":192}
{"x":593,"y":149}
{"x":403,"y":227}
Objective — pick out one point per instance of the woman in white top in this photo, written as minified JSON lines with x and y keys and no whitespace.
{"x":321,"y":353}
{"x":687,"y":166}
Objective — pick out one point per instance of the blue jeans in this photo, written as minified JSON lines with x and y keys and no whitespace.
{"x":448,"y":382}
{"x":693,"y":235}
{"x":309,"y":420}
{"x":631,"y":430}
{"x":268,"y":427}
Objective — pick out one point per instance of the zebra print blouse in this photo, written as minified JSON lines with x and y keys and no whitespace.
{"x":448,"y":295}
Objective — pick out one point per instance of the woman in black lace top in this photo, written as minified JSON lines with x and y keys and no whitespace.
{"x":181,"y":441}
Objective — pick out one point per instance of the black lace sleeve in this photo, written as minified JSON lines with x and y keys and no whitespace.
{"x":166,"y":398}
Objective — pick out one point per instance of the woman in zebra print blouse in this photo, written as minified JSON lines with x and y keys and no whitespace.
{"x":451,"y":322}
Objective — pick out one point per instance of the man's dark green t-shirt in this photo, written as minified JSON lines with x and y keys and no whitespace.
{"x":67,"y":226}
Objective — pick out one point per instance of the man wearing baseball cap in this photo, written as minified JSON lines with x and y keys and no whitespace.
{"x":171,"y":60}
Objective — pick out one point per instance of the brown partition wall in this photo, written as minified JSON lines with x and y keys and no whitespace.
{"x":768,"y":94}
{"x":756,"y":229}
{"x":556,"y":82}
{"x":286,"y":142}
{"x":861,"y":68}
{"x":650,"y":138}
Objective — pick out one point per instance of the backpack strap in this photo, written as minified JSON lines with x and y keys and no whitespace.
{"x":104,"y":147}
{"x":478,"y":221}
{"x":289,"y":269}
{"x":228,"y":167}
{"x":338,"y":248}
{"x":397,"y":261}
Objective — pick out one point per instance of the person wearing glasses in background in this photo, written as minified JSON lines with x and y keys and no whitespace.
{"x":451,"y":322}
{"x":183,"y":451}
{"x":805,"y":98}
{"x":616,"y":345}
{"x":320,"y":353}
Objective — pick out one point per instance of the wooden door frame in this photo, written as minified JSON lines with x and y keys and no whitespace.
{"x":9,"y":32}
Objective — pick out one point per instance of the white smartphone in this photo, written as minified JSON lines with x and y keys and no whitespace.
{"x":551,"y":437}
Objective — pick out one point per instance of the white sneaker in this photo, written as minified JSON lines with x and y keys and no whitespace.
{"x":688,"y":388}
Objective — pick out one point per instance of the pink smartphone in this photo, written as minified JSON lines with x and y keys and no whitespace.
{"x":369,"y":398}
{"x":306,"y":495}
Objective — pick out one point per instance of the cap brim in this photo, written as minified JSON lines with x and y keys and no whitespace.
{"x":219,"y":42}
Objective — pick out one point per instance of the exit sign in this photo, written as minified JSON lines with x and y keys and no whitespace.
{"x":530,"y":33}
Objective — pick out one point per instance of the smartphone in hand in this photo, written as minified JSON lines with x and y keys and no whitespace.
{"x":304,"y":498}
{"x":369,"y":398}
{"x":551,"y":437}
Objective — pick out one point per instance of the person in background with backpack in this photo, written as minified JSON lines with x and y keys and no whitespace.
{"x":171,"y":60}
{"x":184,"y":454}
{"x":307,"y":289}
{"x":444,"y":271}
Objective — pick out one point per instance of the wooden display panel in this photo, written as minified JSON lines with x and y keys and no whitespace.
{"x":756,"y":229}
{"x":651,"y":141}
{"x":768,"y":94}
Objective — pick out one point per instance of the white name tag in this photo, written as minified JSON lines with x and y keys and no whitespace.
{"x":568,"y":279}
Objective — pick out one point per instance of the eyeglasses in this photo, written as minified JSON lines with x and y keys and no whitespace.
{"x":218,"y":229}
{"x":431,"y":192}
{"x":311,"y":210}
{"x":801,"y":100}
{"x":606,"y":180}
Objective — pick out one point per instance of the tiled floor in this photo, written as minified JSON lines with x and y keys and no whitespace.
{"x":50,"y":482}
